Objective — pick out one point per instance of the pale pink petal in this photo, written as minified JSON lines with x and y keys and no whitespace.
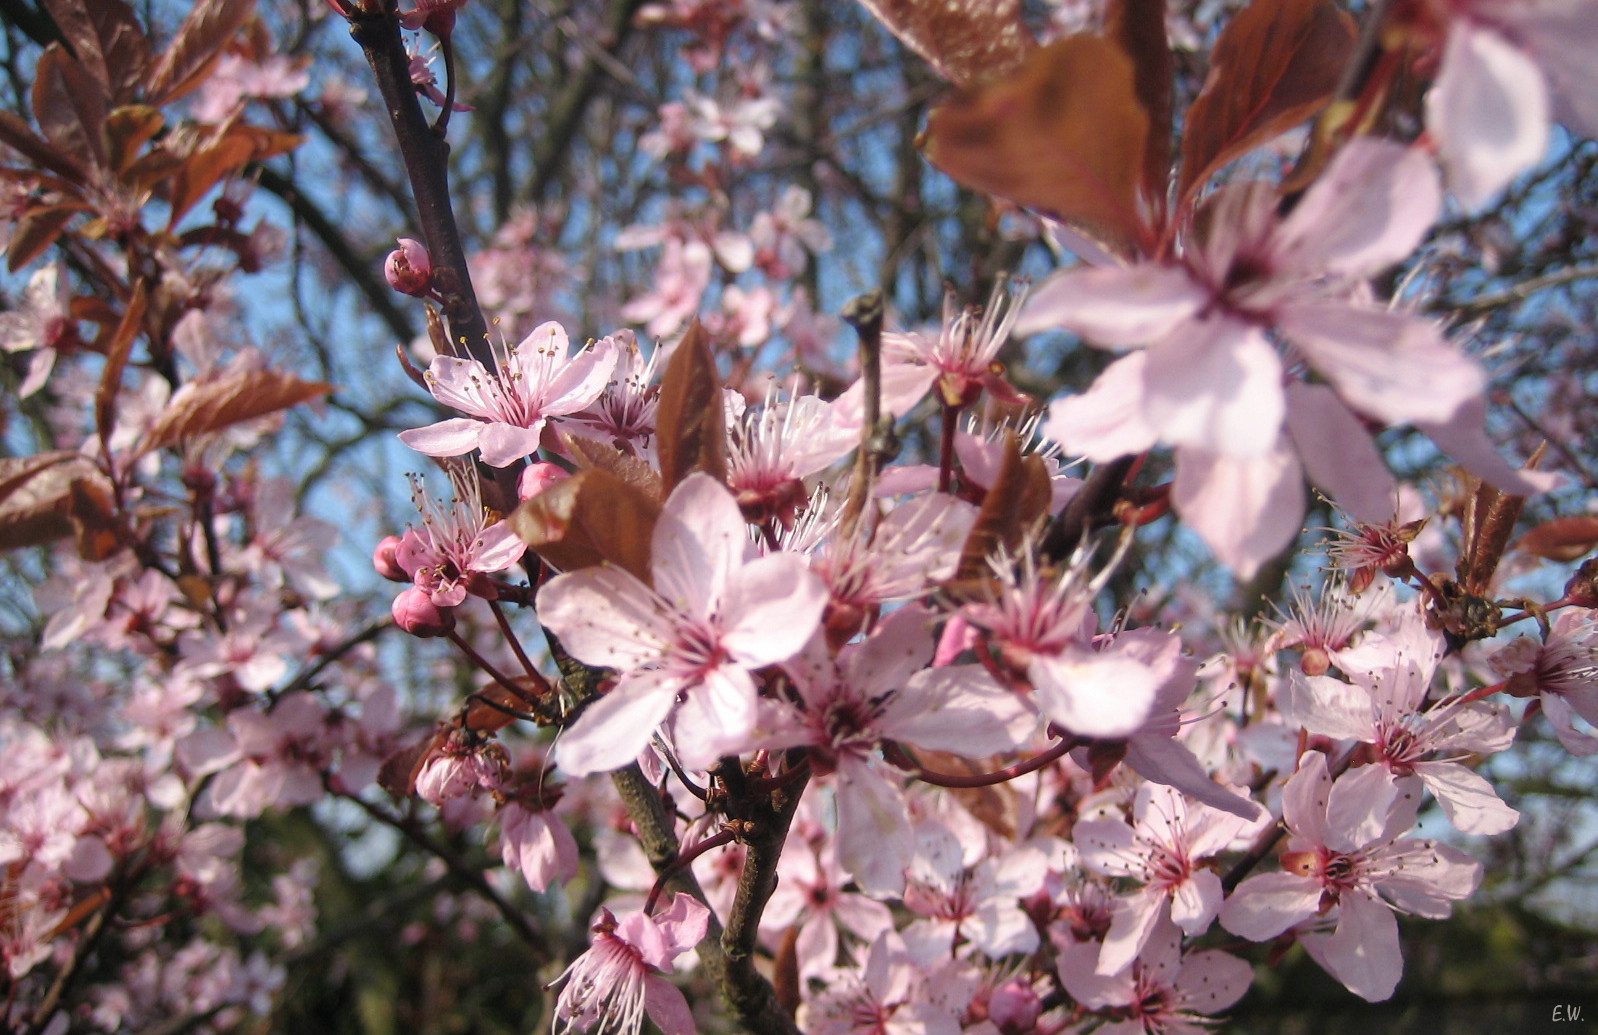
{"x":1106,"y":421}
{"x":1359,"y":806}
{"x":604,"y":616}
{"x":1092,"y":693}
{"x":1424,"y":877}
{"x":773,"y":605}
{"x":1328,"y":707}
{"x":1363,"y":952}
{"x":1215,"y":383}
{"x":1469,"y":800}
{"x":458,"y":383}
{"x":717,"y":718}
{"x":1562,"y":717}
{"x":497,"y":548}
{"x":1488,"y":111}
{"x":960,"y":709}
{"x":1134,"y":917}
{"x":1196,"y":901}
{"x":1338,"y":454}
{"x":1212,"y":981}
{"x":1305,"y":797}
{"x":615,"y":729}
{"x":700,"y":539}
{"x":816,"y":947}
{"x":667,"y":1007}
{"x":1077,"y":966}
{"x":1368,"y":210}
{"x":451,"y":437}
{"x":1114,"y":307}
{"x":1386,"y":364}
{"x":1166,"y":760}
{"x":1248,"y":509}
{"x":504,"y":444}
{"x":1464,"y":437}
{"x":874,"y":839}
{"x":1263,"y":907}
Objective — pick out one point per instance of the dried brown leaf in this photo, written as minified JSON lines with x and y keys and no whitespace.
{"x":593,"y":517}
{"x":1275,"y":65}
{"x":1065,"y":135}
{"x":691,"y":422}
{"x":966,"y":41}
{"x":202,"y":407}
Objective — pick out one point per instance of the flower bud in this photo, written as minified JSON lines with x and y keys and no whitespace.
{"x":386,"y":562}
{"x":417,"y":614}
{"x":1015,"y":1007}
{"x":538,"y":477}
{"x":409,"y":268}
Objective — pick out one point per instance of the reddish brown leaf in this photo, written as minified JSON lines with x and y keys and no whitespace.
{"x":106,"y":38}
{"x":36,"y":496}
{"x":1017,"y":501}
{"x":966,"y":41}
{"x":397,"y":775}
{"x":1562,"y":539}
{"x":117,"y":351}
{"x":69,"y":107}
{"x":38,"y":230}
{"x":222,"y":159}
{"x":199,"y":41}
{"x":127,"y":130}
{"x":588,"y":453}
{"x":92,"y":511}
{"x":690,"y":422}
{"x":1139,"y":27}
{"x":493,"y":708}
{"x":1486,"y":523}
{"x":591,"y":518}
{"x":201,"y":407}
{"x":1066,"y":135}
{"x":1275,"y":65}
{"x":19,"y":135}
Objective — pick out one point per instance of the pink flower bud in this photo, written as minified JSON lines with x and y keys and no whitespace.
{"x":1014,"y":1007}
{"x":409,"y":268}
{"x":384,"y":560}
{"x":418,"y":615}
{"x":538,"y":477}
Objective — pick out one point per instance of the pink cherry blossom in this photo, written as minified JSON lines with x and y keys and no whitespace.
{"x":535,"y":382}
{"x":1563,"y":672}
{"x":1208,"y":379}
{"x":1346,"y":853}
{"x":1163,"y":851}
{"x":42,"y":325}
{"x":714,"y":613}
{"x":1163,"y":992}
{"x":619,"y":979}
{"x":881,"y":690}
{"x":536,"y":844}
{"x":1507,"y":68}
{"x":456,"y":547}
{"x":1044,"y":626}
{"x":1386,"y":706}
